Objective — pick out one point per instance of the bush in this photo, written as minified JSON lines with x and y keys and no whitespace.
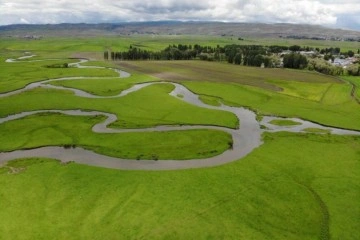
{"x":324,"y":67}
{"x":64,"y":65}
{"x":353,"y":70}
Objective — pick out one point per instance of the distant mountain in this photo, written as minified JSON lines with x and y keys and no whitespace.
{"x":181,"y":28}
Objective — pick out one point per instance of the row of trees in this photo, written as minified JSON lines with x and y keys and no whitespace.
{"x":265,"y":56}
{"x":172,"y":52}
{"x":247,"y":55}
{"x":321,"y":66}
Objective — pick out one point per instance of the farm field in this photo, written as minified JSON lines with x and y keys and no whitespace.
{"x":61,"y":47}
{"x":307,"y":95}
{"x":356,"y":82}
{"x":302,"y":185}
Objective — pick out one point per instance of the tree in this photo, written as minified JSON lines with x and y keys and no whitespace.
{"x":324,"y":67}
{"x":295,"y":48}
{"x":350,"y":53}
{"x":295,"y":60}
{"x":258,"y":60}
{"x":353,"y":70}
{"x":231,"y":55}
{"x":237,"y":59}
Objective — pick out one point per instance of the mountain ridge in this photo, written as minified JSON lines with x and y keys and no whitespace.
{"x":181,"y":28}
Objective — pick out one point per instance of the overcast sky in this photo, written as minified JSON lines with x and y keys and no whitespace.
{"x":333,"y":13}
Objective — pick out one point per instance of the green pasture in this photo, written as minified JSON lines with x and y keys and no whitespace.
{"x":108,"y":64}
{"x":18,"y":74}
{"x":356,"y":82}
{"x":290,"y":93}
{"x":276,"y":192}
{"x":70,"y":45}
{"x":280,"y":122}
{"x":147,"y":107}
{"x":61,"y":130}
{"x":99,"y":44}
{"x":210,"y":100}
{"x":294,"y":186}
{"x":103,"y":86}
{"x":316,"y":130}
{"x":274,"y":79}
{"x":313,"y":91}
{"x":336,"y":108}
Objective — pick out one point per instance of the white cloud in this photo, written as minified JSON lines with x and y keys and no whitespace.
{"x":23,"y":20}
{"x":324,"y":12}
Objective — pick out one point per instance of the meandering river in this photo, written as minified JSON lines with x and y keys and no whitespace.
{"x":245,"y":139}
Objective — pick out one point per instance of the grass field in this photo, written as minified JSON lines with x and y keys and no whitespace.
{"x":100,"y":87}
{"x":316,"y":130}
{"x":59,"y":130}
{"x":290,"y":93}
{"x":147,"y":107}
{"x":356,"y":82}
{"x":336,"y":108}
{"x":106,"y":87}
{"x":17,"y":75}
{"x":277,"y":192}
{"x":294,"y":186}
{"x":61,"y":46}
{"x":268,"y":79}
{"x":284,"y":122}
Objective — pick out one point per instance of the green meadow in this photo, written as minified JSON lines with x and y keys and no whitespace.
{"x":356,"y":82}
{"x":62,"y":130}
{"x":276,"y":192}
{"x":280,"y":122}
{"x":283,"y":92}
{"x":103,"y":86}
{"x":19,"y":74}
{"x":135,"y":110}
{"x":293,"y":186}
{"x":61,"y":46}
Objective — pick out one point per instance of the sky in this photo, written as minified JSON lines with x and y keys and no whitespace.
{"x":331,"y":13}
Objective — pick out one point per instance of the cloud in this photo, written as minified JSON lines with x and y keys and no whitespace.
{"x":323,"y":12}
{"x":23,"y":20}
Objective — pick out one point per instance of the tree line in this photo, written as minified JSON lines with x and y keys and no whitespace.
{"x":172,"y":52}
{"x":246,"y":55}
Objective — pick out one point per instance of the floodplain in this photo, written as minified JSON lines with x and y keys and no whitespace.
{"x":292,"y":185}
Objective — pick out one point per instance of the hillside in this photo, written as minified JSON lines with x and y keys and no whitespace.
{"x":181,"y":28}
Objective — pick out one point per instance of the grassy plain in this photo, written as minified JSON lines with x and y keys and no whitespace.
{"x":62,"y":46}
{"x":147,"y":107}
{"x":294,"y":186}
{"x":266,"y":78}
{"x":336,"y":108}
{"x":277,"y":192}
{"x":106,"y":87}
{"x":57,"y":130}
{"x":17,"y":75}
{"x":316,"y":130}
{"x":282,"y":92}
{"x":284,"y":122}
{"x":100,"y":87}
{"x":356,"y":82}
